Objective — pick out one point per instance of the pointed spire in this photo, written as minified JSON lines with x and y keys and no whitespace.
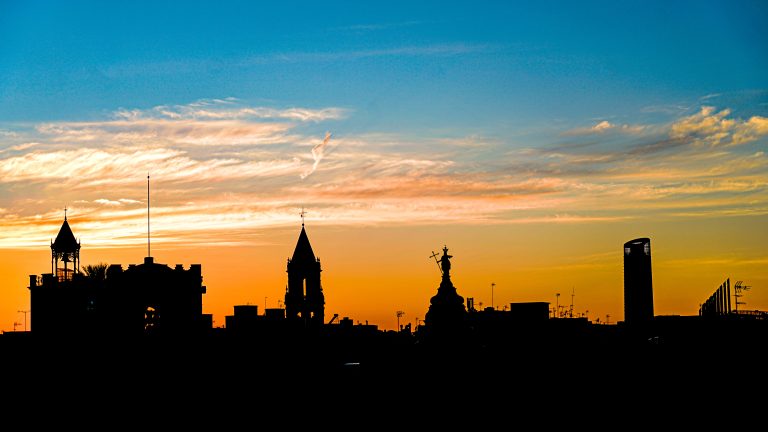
{"x":65,"y":240}
{"x":303,"y":251}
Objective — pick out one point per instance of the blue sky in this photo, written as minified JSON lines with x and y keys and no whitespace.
{"x":429,"y":66}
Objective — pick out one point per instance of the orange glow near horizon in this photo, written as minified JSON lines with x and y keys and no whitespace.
{"x":370,"y":272}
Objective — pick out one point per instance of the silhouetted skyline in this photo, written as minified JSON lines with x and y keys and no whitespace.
{"x":532,"y":139}
{"x":116,"y":331}
{"x":151,"y":299}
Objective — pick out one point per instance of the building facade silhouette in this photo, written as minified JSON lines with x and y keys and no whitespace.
{"x":304,"y":299}
{"x":148,"y":298}
{"x":638,"y":282}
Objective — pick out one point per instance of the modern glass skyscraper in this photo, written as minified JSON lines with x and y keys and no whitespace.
{"x":638,"y":282}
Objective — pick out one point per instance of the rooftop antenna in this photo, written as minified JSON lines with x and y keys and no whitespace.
{"x":573,"y":293}
{"x":738,"y":290}
{"x":493,"y":284}
{"x":149,"y":254}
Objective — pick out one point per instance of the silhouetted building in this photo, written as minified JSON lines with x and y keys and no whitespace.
{"x":148,"y":298}
{"x":304,"y":298}
{"x":638,"y":281}
{"x":471,"y":304}
{"x":446,"y":316}
{"x":245,"y":318}
{"x":274,"y":314}
{"x":529,"y":311}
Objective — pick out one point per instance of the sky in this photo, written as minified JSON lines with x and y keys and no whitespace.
{"x":533,"y":139}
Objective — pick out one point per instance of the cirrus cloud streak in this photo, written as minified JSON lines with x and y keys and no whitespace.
{"x":223,"y":171}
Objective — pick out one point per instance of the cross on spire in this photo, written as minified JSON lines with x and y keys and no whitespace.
{"x":65,"y":213}
{"x":302,"y":216}
{"x":435,"y":255}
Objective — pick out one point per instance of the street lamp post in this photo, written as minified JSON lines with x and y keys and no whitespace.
{"x":25,"y":318}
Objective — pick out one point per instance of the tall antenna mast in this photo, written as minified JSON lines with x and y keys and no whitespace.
{"x":573,"y":293}
{"x":149,"y":253}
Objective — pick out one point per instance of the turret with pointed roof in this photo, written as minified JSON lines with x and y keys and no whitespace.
{"x":65,"y":249}
{"x":304,"y":299}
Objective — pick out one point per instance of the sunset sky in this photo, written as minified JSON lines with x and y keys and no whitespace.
{"x":531,"y":138}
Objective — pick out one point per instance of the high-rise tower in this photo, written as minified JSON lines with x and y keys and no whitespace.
{"x":638,"y":282}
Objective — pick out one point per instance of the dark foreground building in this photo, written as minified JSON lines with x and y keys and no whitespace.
{"x":148,"y":298}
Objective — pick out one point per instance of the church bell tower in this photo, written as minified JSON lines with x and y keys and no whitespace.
{"x":304,"y":299}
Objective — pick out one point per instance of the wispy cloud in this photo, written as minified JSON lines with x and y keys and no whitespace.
{"x":224,"y":170}
{"x":670,"y":109}
{"x":603,"y":127}
{"x":89,"y":167}
{"x":119,"y":202}
{"x":159,"y":131}
{"x":229,"y":109}
{"x":8,"y":134}
{"x":20,"y":147}
{"x":107,"y":202}
{"x":203,"y":123}
{"x":317,"y":154}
